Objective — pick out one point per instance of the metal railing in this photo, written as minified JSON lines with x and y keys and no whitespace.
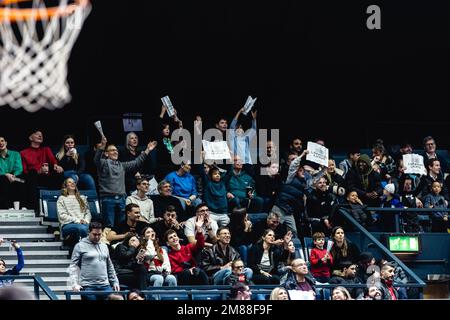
{"x":38,"y":283}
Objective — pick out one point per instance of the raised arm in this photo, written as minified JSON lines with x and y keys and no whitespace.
{"x":235,"y":119}
{"x":295,"y":164}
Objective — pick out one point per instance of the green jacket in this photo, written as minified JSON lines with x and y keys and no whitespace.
{"x":237,"y":184}
{"x":12,"y":163}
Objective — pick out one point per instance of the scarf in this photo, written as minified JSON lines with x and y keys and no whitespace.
{"x":168,"y":145}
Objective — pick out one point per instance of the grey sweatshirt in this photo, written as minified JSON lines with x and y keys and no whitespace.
{"x":91,"y":265}
{"x":111,"y":173}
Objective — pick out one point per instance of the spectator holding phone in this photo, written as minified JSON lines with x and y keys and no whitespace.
{"x":208,"y":227}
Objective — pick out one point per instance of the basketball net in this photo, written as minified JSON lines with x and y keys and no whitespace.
{"x":35,"y":46}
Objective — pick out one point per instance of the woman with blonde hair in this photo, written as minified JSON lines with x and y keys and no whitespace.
{"x":156,"y":260}
{"x":73,"y":211}
{"x":279,"y":293}
{"x":73,"y":164}
{"x":340,"y":293}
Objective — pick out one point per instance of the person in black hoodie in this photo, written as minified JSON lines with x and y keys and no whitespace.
{"x":365,"y":181}
{"x":347,"y":275}
{"x":319,"y":205}
{"x":264,"y":257}
{"x":268,"y":184}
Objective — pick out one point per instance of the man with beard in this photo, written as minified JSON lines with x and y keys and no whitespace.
{"x":373,"y":293}
{"x":386,"y":281}
{"x":170,"y":221}
{"x":347,"y":275}
{"x":133,"y":225}
{"x":319,"y":204}
{"x":365,"y":181}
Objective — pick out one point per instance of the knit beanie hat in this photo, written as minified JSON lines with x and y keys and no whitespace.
{"x":390,"y":188}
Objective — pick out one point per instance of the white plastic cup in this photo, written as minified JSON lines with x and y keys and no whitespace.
{"x":16,"y":205}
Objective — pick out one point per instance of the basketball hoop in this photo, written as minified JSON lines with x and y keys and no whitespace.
{"x":35,"y":45}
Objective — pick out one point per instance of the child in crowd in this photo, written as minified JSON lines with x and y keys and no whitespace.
{"x":435,"y":200}
{"x":389,"y":199}
{"x":321,"y":260}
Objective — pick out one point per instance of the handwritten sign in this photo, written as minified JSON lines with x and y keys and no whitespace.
{"x":249,"y":104}
{"x":317,"y":154}
{"x":217,"y":150}
{"x":414,"y":164}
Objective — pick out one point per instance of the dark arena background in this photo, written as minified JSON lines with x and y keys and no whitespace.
{"x":315,"y":67}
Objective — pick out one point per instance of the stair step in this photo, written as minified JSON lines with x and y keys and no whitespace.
{"x":47,"y":272}
{"x":50,"y":281}
{"x":15,"y":214}
{"x":5,"y":230}
{"x":21,"y":237}
{"x":30,"y":255}
{"x":45,"y":263}
{"x":20,"y":221}
{"x":35,"y":246}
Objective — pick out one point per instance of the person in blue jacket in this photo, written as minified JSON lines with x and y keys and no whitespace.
{"x":14,"y":271}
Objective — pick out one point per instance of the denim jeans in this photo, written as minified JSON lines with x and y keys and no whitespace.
{"x":113,"y":208}
{"x":158,"y":280}
{"x":106,"y":289}
{"x":77,"y":229}
{"x":84,"y":179}
{"x":243,"y":251}
{"x":194,"y":203}
{"x":220,"y":276}
{"x":222,"y":219}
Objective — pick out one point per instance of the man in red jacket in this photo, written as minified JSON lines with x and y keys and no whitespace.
{"x":40,"y":169}
{"x":182,"y":258}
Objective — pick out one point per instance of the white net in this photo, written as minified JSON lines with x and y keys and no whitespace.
{"x":34,"y":53}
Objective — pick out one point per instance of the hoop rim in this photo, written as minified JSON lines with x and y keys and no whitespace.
{"x":17,"y":14}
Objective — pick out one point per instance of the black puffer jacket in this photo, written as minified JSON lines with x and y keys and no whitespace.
{"x":290,"y":198}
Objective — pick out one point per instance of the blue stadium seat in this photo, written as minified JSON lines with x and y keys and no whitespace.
{"x":173,"y":296}
{"x":92,"y":199}
{"x":47,"y":203}
{"x":255,"y":217}
{"x":207,"y":296}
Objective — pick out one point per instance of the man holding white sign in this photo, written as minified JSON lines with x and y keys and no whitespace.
{"x":240,"y":141}
{"x":317,"y":154}
{"x":413,"y":164}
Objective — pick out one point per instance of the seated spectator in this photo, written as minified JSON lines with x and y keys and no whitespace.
{"x":356,"y":208}
{"x":169,"y":221}
{"x":389,"y":200}
{"x":272,"y":222}
{"x":429,"y":145}
{"x":73,"y":164}
{"x":365,"y":181}
{"x":40,"y":169}
{"x":298,"y":282}
{"x":131,"y":152}
{"x":15,"y":271}
{"x":335,"y":181}
{"x":115,"y":296}
{"x":436,"y":200}
{"x":184,"y":186}
{"x":241,"y":189}
{"x":241,"y":229}
{"x":434,"y":174}
{"x":215,"y":194}
{"x":133,"y":225}
{"x":164,"y":199}
{"x":373,"y":293}
{"x":321,"y":259}
{"x":216,"y":260}
{"x":127,"y":264}
{"x":279,"y":293}
{"x":347,"y":275}
{"x":343,"y":249}
{"x":387,"y":279}
{"x":240,"y":291}
{"x":208,"y":227}
{"x":400,"y":277}
{"x":365,"y":260}
{"x":182,"y":260}
{"x":268,"y":184}
{"x":111,"y":179}
{"x":408,"y":192}
{"x":383,"y":161}
{"x":341,"y":293}
{"x":10,"y":169}
{"x":73,"y":212}
{"x":319,"y":204}
{"x":237,"y":273}
{"x":145,"y":204}
{"x":294,"y":253}
{"x":349,"y":163}
{"x":135,"y":294}
{"x":264,"y":258}
{"x":156,"y":260}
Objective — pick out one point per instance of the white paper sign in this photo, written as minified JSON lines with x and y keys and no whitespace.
{"x":317,"y":154}
{"x":166,"y":101}
{"x":153,"y":186}
{"x":249,"y":104}
{"x":330,"y":244}
{"x":217,"y":150}
{"x":301,"y":295}
{"x":98,"y":125}
{"x":414,"y":164}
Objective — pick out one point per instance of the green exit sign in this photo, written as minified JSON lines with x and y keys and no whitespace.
{"x":404,"y":243}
